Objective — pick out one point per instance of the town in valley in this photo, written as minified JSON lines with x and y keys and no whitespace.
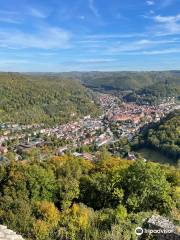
{"x":118,"y":120}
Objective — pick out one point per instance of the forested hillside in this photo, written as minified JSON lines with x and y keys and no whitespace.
{"x":37,"y":99}
{"x":156,"y":92}
{"x":67,"y":198}
{"x":163,"y":136}
{"x":125,"y":80}
{"x":139,"y":87}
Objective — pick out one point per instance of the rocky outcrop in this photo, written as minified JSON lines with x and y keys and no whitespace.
{"x":161,"y":222}
{"x":7,"y":234}
{"x":160,"y":228}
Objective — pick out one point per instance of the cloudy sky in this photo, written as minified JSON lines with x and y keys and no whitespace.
{"x":69,"y":35}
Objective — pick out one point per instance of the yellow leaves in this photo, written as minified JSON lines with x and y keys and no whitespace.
{"x":59,"y":161}
{"x":175,"y":213}
{"x":1,"y":212}
{"x":41,"y":229}
{"x":76,"y":218}
{"x":118,"y":193}
{"x":48,"y":212}
{"x":62,"y":159}
{"x":178,"y":229}
{"x":84,"y":217}
{"x":177,"y":193}
{"x":81,"y":215}
{"x":71,"y":163}
{"x":83,"y":220}
{"x":113,"y":163}
{"x":176,"y":196}
{"x":121,"y":212}
{"x":48,"y":218}
{"x":87,"y":164}
{"x":56,"y":158}
{"x":75,"y":209}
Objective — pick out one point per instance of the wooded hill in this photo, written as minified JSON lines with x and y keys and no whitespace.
{"x":144,"y":87}
{"x":125,"y":80}
{"x":163,"y":136}
{"x":156,"y":92}
{"x":48,"y":99}
{"x":68,"y":198}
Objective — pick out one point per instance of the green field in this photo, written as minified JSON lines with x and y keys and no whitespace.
{"x":154,"y":156}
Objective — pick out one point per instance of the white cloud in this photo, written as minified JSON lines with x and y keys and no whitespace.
{"x":45,"y":38}
{"x":151,"y":52}
{"x":90,"y":41}
{"x":37,"y":13}
{"x":13,"y":61}
{"x":167,"y":19}
{"x":156,"y":52}
{"x":114,"y":36}
{"x":95,"y":60}
{"x":163,"y":51}
{"x":93,"y":8}
{"x":139,"y":45}
{"x":150,"y":3}
{"x":168,"y":24}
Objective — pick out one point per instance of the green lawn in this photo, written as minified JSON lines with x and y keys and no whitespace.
{"x":154,"y":156}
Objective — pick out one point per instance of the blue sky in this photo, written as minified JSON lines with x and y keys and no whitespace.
{"x":85,"y":35}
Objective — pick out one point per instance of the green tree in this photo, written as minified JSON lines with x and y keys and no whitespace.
{"x":41,"y":183}
{"x":146,"y":188}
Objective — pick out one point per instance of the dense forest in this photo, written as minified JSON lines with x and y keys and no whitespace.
{"x":163,"y":136}
{"x":155,"y":93}
{"x":118,"y":80}
{"x":125,"y":80}
{"x":36,"y":99}
{"x":68,"y":198}
{"x":58,"y":98}
{"x":139,"y":87}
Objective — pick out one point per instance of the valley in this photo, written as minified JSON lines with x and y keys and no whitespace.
{"x":68,"y":152}
{"x":89,"y":120}
{"x":116,"y":120}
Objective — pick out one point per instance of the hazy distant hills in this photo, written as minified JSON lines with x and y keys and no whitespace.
{"x":33,"y":99}
{"x":124,"y":80}
{"x":176,"y":72}
{"x":127,"y":80}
